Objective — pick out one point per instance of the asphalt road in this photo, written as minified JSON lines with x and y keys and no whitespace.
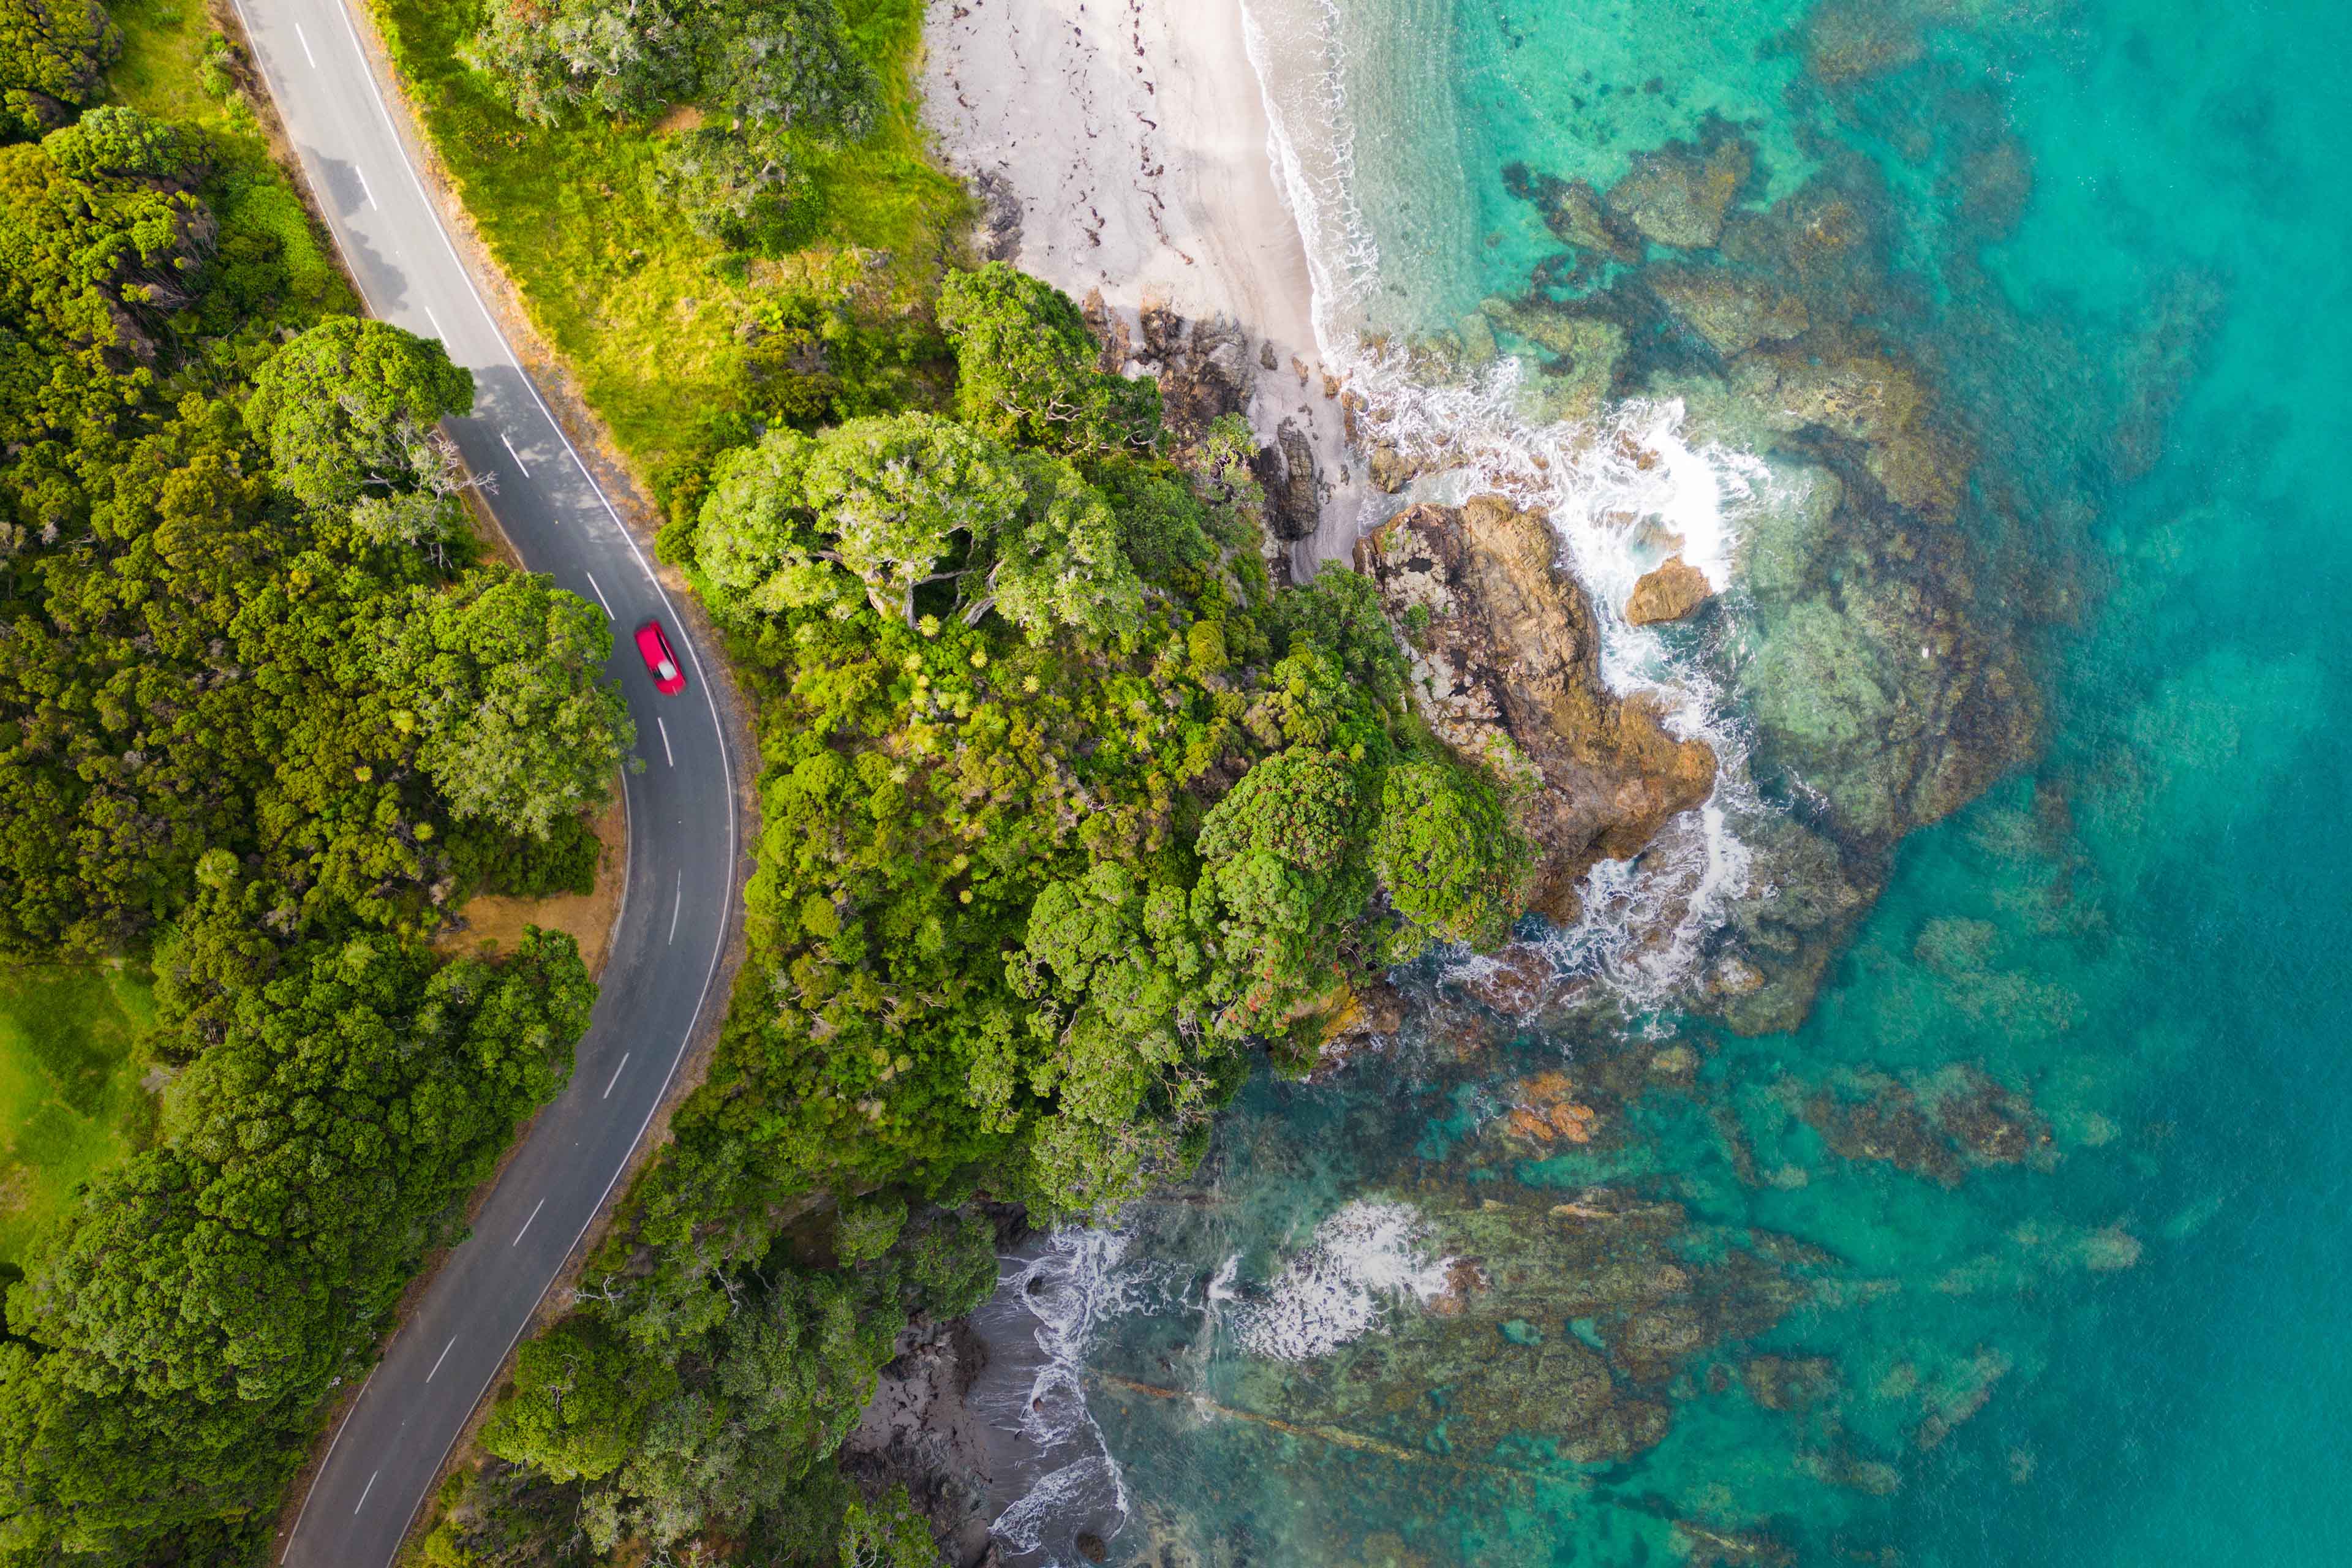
{"x":660,"y":980}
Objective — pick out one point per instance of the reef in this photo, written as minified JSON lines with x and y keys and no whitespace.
{"x":1504,"y":651}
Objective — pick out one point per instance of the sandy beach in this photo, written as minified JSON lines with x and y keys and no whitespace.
{"x":1132,"y":134}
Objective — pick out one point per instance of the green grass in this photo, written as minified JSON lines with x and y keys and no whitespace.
{"x":70,"y":1100}
{"x":647,"y":313}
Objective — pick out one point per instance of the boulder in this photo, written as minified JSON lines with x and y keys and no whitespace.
{"x":1668,"y":593}
{"x":1507,"y":670}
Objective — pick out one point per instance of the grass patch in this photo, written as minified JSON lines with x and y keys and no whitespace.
{"x":70,"y":1100}
{"x":651,"y":317}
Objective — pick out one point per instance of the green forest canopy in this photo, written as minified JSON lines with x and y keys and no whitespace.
{"x":265,"y":716}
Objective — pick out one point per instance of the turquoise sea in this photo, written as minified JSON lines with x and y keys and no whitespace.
{"x":2030,"y":1243}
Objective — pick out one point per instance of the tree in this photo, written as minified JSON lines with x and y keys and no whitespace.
{"x":896,"y":493}
{"x":780,"y":63}
{"x":1446,"y":855}
{"x":113,"y":140}
{"x":501,"y":680}
{"x":899,"y":503}
{"x":51,"y":52}
{"x":890,"y":1534}
{"x":1280,"y":871}
{"x":579,"y":1404}
{"x":1027,"y":372}
{"x":351,"y":404}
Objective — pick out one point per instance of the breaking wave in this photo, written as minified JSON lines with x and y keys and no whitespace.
{"x":1625,"y":488}
{"x":1369,"y":1254}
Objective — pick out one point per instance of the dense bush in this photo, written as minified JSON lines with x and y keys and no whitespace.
{"x":51,"y":52}
{"x":260,"y":707}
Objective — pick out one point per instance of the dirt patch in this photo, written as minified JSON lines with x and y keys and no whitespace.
{"x":496,"y":924}
{"x":685,"y":117}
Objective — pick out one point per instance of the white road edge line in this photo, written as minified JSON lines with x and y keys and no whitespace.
{"x":525,"y":1225}
{"x":515,"y":455}
{"x":442,"y":1357}
{"x":363,"y":1495}
{"x":330,"y":1442}
{"x":710,"y":700}
{"x":306,"y":46}
{"x":616,"y":1076}
{"x":600,"y":597}
{"x":675,"y":905}
{"x":669,"y":755}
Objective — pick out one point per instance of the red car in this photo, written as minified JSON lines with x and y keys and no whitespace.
{"x":660,"y":663}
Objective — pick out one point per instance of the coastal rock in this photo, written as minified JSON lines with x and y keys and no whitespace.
{"x":1570,"y":1323}
{"x":1512,"y":981}
{"x":1849,"y":385}
{"x":1287,"y":472}
{"x":1677,"y":195}
{"x":1779,"y":940}
{"x":1546,"y":1110}
{"x":1505,"y":663}
{"x":1575,"y":214}
{"x":1391,"y":469}
{"x":1365,"y":1014}
{"x":1731,"y":311}
{"x":1582,"y":352}
{"x":1668,"y":593}
{"x":996,"y":234}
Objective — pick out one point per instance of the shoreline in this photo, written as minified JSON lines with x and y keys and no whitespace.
{"x":1166,"y":198}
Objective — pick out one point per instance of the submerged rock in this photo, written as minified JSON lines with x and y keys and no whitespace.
{"x":1506,"y":662}
{"x":1677,"y":195}
{"x":1732,"y":310}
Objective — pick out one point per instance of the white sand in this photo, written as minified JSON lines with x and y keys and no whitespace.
{"x":1134,"y":135}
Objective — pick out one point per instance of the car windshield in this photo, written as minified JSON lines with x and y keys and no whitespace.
{"x":668,"y":671}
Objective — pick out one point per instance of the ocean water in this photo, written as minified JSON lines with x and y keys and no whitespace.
{"x":2027,"y":1242}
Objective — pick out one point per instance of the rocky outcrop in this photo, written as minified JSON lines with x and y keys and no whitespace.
{"x":1203,"y":367}
{"x":1294,"y":493}
{"x":996,"y":233}
{"x":1506,"y":661}
{"x":1668,"y":593}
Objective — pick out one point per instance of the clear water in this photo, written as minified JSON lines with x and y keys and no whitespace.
{"x":2119,"y":1338}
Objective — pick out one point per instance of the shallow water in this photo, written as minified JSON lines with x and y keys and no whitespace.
{"x":2028,"y":1246}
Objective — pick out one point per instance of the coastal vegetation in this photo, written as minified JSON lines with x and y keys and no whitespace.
{"x":268,"y":717}
{"x":1072,"y":812}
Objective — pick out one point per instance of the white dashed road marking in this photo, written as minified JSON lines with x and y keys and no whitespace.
{"x":306,"y":46}
{"x":600,"y":595}
{"x":677,"y":904}
{"x":616,"y":1076}
{"x":525,"y":1225}
{"x":442,"y":1357}
{"x":666,"y":753}
{"x":363,"y":1494}
{"x":515,"y":455}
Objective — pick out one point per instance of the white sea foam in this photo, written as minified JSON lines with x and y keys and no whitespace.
{"x":1081,"y":1280}
{"x":1370,"y":1255}
{"x":1625,"y":488}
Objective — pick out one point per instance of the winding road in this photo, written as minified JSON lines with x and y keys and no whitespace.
{"x":660,"y":980}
